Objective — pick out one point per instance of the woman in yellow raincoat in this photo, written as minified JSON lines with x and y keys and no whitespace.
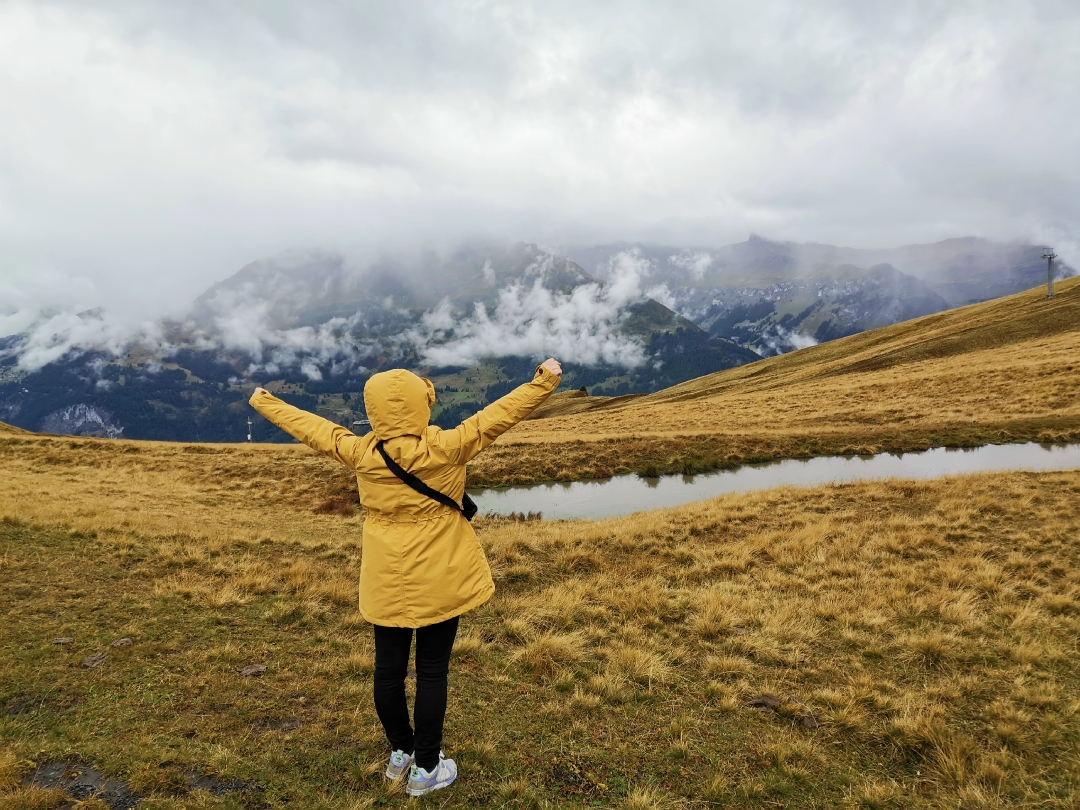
{"x":422,"y":566}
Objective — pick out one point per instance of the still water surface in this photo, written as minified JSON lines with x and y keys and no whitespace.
{"x":629,"y":493}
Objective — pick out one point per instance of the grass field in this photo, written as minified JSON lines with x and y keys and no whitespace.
{"x":905,"y":645}
{"x":882,"y":645}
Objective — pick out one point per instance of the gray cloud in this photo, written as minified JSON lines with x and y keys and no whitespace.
{"x":581,"y":326}
{"x":153,"y":148}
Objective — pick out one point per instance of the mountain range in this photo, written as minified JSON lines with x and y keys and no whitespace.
{"x":628,"y":318}
{"x":774,"y":297}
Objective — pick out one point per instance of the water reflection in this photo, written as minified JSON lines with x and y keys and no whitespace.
{"x":628,"y":493}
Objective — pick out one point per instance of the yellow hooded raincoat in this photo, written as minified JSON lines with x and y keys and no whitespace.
{"x":421,"y":561}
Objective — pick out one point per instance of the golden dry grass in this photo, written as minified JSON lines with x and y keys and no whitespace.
{"x":153,"y":488}
{"x":1006,"y":370}
{"x":929,"y":628}
{"x":564,"y":403}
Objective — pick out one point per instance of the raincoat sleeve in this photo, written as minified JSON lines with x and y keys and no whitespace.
{"x":319,"y":434}
{"x":474,"y":434}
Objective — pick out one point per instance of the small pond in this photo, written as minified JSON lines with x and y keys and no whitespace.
{"x":629,"y":493}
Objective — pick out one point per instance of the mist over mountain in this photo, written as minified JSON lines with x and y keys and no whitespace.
{"x":313,"y":325}
{"x":963,"y":270}
{"x":314,"y":309}
{"x":774,"y":297}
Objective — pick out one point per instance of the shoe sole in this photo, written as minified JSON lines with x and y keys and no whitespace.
{"x":424,"y":791}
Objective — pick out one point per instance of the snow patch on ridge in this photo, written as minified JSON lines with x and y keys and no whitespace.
{"x":82,"y":420}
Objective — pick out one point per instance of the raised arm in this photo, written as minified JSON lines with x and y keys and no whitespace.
{"x":474,"y":434}
{"x":319,"y":434}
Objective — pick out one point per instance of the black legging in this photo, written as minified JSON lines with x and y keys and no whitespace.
{"x":433,"y":646}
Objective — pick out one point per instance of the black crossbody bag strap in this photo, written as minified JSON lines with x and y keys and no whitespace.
{"x":468,"y":508}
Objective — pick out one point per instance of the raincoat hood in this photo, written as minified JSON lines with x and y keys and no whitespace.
{"x":398,"y":403}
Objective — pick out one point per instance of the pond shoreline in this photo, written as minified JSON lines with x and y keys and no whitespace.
{"x":566,"y":460}
{"x":621,"y":495}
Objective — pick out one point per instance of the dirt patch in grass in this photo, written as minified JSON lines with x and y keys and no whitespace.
{"x":81,"y":782}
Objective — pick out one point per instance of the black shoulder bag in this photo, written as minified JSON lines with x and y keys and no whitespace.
{"x":467,"y":507}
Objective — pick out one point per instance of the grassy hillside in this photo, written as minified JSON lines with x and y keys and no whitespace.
{"x":564,"y":403}
{"x":1005,"y":370}
{"x":885,"y":645}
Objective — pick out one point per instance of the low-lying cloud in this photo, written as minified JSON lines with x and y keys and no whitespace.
{"x":695,"y":262}
{"x":241,"y":329}
{"x":581,"y":326}
{"x":50,"y":339}
{"x":779,"y":340}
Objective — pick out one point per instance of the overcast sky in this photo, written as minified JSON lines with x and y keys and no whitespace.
{"x":150,"y":149}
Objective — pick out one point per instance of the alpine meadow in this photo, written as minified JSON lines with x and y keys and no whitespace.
{"x":182,"y":629}
{"x":456,"y":405}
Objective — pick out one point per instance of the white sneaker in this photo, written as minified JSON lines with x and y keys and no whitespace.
{"x":398,"y":765}
{"x":421,"y":781}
